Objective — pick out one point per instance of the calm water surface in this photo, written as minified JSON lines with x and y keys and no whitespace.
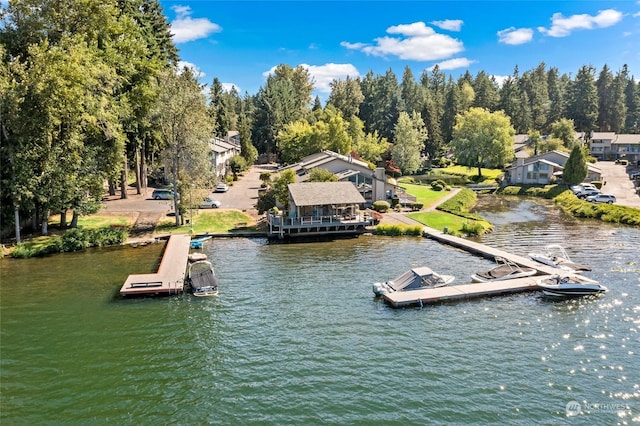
{"x":296,"y":336}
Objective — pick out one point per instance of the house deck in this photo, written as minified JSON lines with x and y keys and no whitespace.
{"x":170,"y":276}
{"x":282,"y":227}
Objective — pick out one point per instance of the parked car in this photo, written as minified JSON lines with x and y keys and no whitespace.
{"x":602,"y":198}
{"x":209,"y":203}
{"x":582,"y":186}
{"x":222,"y":187}
{"x":587,"y":193}
{"x":163,"y":194}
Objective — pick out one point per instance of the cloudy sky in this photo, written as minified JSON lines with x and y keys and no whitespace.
{"x":240,"y":42}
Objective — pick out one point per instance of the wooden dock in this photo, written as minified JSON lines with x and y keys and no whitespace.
{"x":472,"y":290}
{"x":170,"y":276}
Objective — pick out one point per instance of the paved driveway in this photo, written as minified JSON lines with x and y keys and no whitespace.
{"x":243,"y":193}
{"x":617,"y":182}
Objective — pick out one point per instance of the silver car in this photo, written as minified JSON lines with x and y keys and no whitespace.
{"x":209,"y":203}
{"x":601,"y":198}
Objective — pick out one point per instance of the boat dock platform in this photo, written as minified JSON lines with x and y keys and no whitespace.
{"x":170,"y":276}
{"x":472,"y":290}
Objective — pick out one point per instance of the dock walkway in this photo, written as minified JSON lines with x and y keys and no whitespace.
{"x":469,"y":291}
{"x":170,"y":276}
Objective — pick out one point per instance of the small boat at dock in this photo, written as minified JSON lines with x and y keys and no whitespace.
{"x":555,"y":255}
{"x":413,"y":279}
{"x":198,"y":243}
{"x":202,"y":279}
{"x":570,"y":286}
{"x":504,"y":270}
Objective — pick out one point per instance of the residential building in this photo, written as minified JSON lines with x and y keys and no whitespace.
{"x":222,"y":150}
{"x":544,"y":169}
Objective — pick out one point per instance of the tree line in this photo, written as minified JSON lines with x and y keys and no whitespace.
{"x":91,"y":97}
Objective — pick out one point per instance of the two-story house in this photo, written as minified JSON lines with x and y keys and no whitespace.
{"x":541,"y":169}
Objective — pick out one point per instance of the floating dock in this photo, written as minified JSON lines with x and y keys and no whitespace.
{"x":469,"y":291}
{"x":170,"y":276}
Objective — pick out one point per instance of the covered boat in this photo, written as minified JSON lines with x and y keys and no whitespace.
{"x":504,"y":270}
{"x":570,"y":286}
{"x":202,"y":279}
{"x":554,"y":255}
{"x":413,"y":279}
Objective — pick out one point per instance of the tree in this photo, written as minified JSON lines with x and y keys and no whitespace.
{"x":346,"y":96}
{"x":575,"y":169}
{"x":483,"y":139}
{"x":237,"y":164}
{"x":318,"y":174}
{"x":183,"y":118}
{"x":281,"y":187}
{"x":410,"y":135}
{"x":583,"y":100}
{"x":564,"y":131}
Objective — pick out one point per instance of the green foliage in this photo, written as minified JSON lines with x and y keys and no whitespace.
{"x":564,"y":130}
{"x":281,"y":187}
{"x":237,"y":164}
{"x":606,"y":212}
{"x":460,"y":204}
{"x":575,"y":170}
{"x":408,"y":142}
{"x":438,"y":185}
{"x":398,"y":230}
{"x":472,"y":228}
{"x":483,"y":139}
{"x":318,"y":174}
{"x":381,"y":206}
{"x":266,"y":201}
{"x":74,"y":240}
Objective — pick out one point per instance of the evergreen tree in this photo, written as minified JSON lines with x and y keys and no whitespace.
{"x":583,"y":100}
{"x":575,"y":169}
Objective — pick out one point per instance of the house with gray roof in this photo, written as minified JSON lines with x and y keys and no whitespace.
{"x":221,"y":151}
{"x":544,"y":169}
{"x":320,"y":209}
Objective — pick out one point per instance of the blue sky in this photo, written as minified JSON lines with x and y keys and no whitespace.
{"x":240,"y":42}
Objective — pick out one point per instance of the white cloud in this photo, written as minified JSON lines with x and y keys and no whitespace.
{"x":636,"y":15}
{"x":185,"y":28}
{"x":500,"y":79}
{"x":228,"y":86}
{"x":323,"y":75}
{"x":515,"y":36}
{"x":453,"y":64}
{"x":562,"y":26}
{"x":449,"y":24}
{"x":415,"y":42}
{"x":197,"y":72}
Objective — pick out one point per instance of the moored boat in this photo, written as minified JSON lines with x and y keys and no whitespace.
{"x":202,"y":279}
{"x":198,"y":243}
{"x":413,"y":279}
{"x":555,"y":255}
{"x":504,"y":270}
{"x":570,"y":286}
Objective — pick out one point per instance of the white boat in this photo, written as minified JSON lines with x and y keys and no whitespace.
{"x":413,"y":279}
{"x":504,"y":270}
{"x":570,"y":286}
{"x":201,"y":279}
{"x":554,"y":255}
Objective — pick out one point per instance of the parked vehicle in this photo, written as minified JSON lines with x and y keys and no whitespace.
{"x":209,"y":203}
{"x":601,"y":198}
{"x":163,"y":194}
{"x":222,"y":187}
{"x":587,"y":193}
{"x":582,"y":187}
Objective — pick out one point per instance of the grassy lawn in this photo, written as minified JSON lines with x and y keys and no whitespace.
{"x":424,"y":194}
{"x":439,"y":220}
{"x":209,"y":221}
{"x":487,"y":174}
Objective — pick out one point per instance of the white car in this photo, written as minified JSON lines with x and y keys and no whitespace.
{"x":601,"y":198}
{"x":582,"y":187}
{"x":222,"y":187}
{"x":209,"y":203}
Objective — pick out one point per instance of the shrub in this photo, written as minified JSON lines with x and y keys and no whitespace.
{"x":381,"y":206}
{"x":397,"y":230}
{"x":438,"y":185}
{"x":472,"y":228}
{"x":75,"y":239}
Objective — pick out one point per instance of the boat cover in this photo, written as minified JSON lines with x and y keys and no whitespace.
{"x":416,"y":278}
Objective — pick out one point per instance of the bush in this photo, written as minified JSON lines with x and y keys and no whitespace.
{"x":472,"y":228}
{"x":397,"y":230}
{"x":381,"y":206}
{"x":438,"y":185}
{"x":75,"y":239}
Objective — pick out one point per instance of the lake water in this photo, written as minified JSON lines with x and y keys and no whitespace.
{"x":296,"y":336}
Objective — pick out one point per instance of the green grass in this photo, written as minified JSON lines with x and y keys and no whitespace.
{"x":424,"y":194}
{"x":209,"y":221}
{"x":439,"y":221}
{"x":487,"y":174}
{"x":96,"y":221}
